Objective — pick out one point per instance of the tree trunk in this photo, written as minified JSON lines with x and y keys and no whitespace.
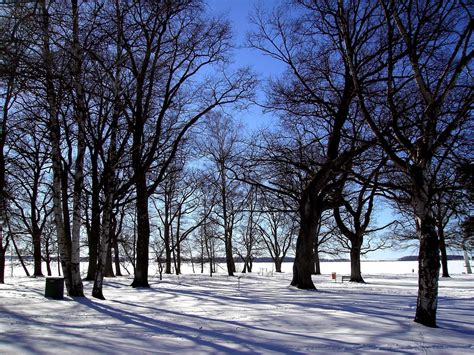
{"x":178,"y":256}
{"x":2,"y":265}
{"x":3,"y":251}
{"x":167,"y":241}
{"x":202,"y":257}
{"x":303,"y":265}
{"x":37,"y":272}
{"x":143,"y":232}
{"x":442,"y":248}
{"x":35,"y":229}
{"x":467,"y":260}
{"x":104,"y":245}
{"x":48,"y":266}
{"x":47,"y":257}
{"x":356,"y":275}
{"x":277,"y":261}
{"x":228,"y":255}
{"x":109,"y":270}
{"x":118,"y":271}
{"x":93,"y":237}
{"x":428,"y":259}
{"x":317,"y":263}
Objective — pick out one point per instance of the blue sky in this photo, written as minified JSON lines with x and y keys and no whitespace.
{"x":238,"y":12}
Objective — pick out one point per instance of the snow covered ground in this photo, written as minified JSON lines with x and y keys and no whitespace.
{"x":255,"y":313}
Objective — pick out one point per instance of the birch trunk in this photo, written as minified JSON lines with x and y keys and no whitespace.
{"x":104,"y":247}
{"x":428,"y":259}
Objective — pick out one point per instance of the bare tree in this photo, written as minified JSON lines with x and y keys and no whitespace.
{"x":320,"y":119}
{"x":170,"y":46}
{"x":29,"y":180}
{"x":278,"y":229}
{"x":420,"y":68}
{"x":248,"y":239}
{"x":353,"y":217}
{"x":221,"y":147}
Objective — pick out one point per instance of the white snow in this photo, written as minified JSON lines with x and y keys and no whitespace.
{"x":195,"y":313}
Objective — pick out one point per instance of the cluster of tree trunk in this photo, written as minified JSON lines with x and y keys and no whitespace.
{"x":118,"y":89}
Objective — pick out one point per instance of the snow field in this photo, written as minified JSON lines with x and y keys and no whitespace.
{"x":196,"y":314}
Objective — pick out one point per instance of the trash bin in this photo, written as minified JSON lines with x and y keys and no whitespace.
{"x":54,"y":288}
{"x":333,"y":276}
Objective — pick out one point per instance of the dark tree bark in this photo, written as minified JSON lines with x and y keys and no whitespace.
{"x":118,"y":270}
{"x":303,"y":267}
{"x":143,"y":228}
{"x":3,"y":250}
{"x":444,"y":253}
{"x":317,"y":263}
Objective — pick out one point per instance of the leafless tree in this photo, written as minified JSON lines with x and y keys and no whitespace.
{"x":415,"y":56}
{"x":28,"y":170}
{"x":278,"y":229}
{"x":170,"y":47}
{"x":221,"y":146}
{"x":315,"y":100}
{"x":354,"y":216}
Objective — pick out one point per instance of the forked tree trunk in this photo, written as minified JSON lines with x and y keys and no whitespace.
{"x":304,"y":264}
{"x":428,"y":259}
